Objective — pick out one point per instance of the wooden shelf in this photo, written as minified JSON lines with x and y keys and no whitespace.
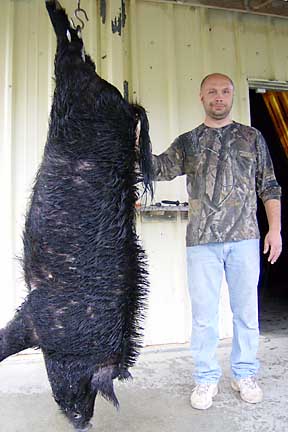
{"x":164,"y":212}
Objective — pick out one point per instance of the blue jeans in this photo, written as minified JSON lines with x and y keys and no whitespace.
{"x":240,"y":262}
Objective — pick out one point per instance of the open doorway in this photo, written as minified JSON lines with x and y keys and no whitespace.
{"x":273,"y":282}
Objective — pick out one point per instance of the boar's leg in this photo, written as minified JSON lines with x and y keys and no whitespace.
{"x":70,"y":50}
{"x":17,"y":335}
{"x":58,"y":18}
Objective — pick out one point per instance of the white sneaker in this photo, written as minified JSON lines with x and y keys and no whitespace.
{"x":202,"y":395}
{"x":249,"y":390}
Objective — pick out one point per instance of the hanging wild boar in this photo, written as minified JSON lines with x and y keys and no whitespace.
{"x":84,"y":267}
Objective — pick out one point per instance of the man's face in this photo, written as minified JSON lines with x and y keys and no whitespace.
{"x":217,"y":97}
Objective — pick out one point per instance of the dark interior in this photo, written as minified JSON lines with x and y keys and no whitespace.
{"x":273,"y":282}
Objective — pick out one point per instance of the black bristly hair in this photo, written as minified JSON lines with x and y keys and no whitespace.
{"x":84,"y":267}
{"x":145,"y":150}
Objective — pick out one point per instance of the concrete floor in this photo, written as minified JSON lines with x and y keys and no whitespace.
{"x":157,"y":400}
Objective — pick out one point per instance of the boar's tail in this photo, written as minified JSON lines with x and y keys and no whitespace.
{"x":145,"y":151}
{"x":102,"y":382}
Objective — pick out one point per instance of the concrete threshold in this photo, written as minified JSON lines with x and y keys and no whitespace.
{"x":158,"y":398}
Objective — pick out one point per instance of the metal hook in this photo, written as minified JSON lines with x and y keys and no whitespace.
{"x":76,"y":14}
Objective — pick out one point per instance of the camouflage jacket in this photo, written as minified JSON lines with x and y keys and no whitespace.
{"x":225,"y":168}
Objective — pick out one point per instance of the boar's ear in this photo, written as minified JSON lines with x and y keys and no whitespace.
{"x":124,"y":375}
{"x":145,"y":153}
{"x":102,"y":382}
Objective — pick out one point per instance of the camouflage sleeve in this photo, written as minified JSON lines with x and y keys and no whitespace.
{"x":266,"y":183}
{"x":170,"y":163}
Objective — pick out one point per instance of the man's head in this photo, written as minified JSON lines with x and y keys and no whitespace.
{"x":216,"y":94}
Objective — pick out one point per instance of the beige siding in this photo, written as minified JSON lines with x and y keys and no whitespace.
{"x":7,"y":227}
{"x":163,"y":53}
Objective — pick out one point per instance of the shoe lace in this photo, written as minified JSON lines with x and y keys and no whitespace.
{"x":201,"y":389}
{"x":250,"y":382}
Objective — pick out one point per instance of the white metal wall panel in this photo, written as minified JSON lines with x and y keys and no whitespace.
{"x":162,"y":51}
{"x":6,"y":226}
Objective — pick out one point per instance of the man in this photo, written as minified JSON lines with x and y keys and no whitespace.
{"x":226,"y":164}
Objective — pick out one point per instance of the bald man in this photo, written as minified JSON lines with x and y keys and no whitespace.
{"x":227,"y":164}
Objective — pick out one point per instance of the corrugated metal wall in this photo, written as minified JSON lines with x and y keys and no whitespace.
{"x":162,"y":51}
